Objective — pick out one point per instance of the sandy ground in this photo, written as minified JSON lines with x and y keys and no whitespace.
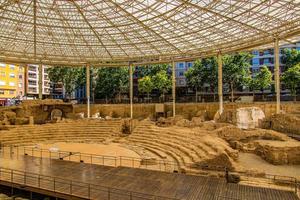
{"x":112,"y":149}
{"x":252,"y":161}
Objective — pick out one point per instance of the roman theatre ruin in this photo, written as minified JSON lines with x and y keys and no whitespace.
{"x":196,"y":151}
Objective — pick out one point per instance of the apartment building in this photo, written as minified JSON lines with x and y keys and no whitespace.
{"x":11,"y":82}
{"x":266,"y":57}
{"x":260,"y":58}
{"x":32,"y":75}
{"x":181,"y":68}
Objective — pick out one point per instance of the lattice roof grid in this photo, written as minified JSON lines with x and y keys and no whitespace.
{"x":103,"y":32}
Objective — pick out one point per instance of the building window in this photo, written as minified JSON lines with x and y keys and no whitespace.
{"x":181,"y":73}
{"x":32,"y":68}
{"x":20,"y":76}
{"x":11,"y":84}
{"x":11,"y":92}
{"x":181,"y":65}
{"x":20,"y":85}
{"x":31,"y":82}
{"x":2,"y":65}
{"x":266,"y":61}
{"x":190,"y":64}
{"x":255,"y":61}
{"x":12,"y":75}
{"x":2,"y":83}
{"x":1,"y":91}
{"x":12,"y":67}
{"x":2,"y":74}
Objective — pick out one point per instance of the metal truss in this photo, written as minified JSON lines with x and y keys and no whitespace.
{"x":118,"y":32}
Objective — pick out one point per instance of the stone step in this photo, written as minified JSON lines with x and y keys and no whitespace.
{"x":183,"y":158}
{"x":189,"y":151}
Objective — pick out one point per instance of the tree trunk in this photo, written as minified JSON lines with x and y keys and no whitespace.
{"x":213,"y":91}
{"x":196,"y":95}
{"x":148,"y":96}
{"x":263,"y":95}
{"x":93,"y":95}
{"x":232,"y":95}
{"x":295,"y":97}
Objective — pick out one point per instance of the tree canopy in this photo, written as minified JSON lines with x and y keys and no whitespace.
{"x":162,"y":82}
{"x":111,"y":81}
{"x":146,"y":85}
{"x":236,"y":71}
{"x":291,"y":78}
{"x":290,"y":57}
{"x":263,"y":79}
{"x":71,"y":78}
{"x":203,"y":72}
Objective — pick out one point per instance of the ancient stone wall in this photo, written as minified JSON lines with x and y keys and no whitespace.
{"x":187,"y":110}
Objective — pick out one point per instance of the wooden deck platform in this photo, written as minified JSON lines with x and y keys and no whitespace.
{"x":85,"y":181}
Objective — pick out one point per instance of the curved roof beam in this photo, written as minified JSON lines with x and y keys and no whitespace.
{"x":144,"y":25}
{"x":91,"y":27}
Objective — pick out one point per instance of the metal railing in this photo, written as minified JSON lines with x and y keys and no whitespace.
{"x":265,"y":180}
{"x":113,"y":161}
{"x":71,"y":187}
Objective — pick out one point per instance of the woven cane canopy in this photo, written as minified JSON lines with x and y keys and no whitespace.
{"x":74,"y":32}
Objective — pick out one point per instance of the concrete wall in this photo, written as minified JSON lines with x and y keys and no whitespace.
{"x":188,"y":110}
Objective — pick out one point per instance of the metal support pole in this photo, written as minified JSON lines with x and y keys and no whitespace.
{"x":40,"y":69}
{"x":131,"y":91}
{"x":276,"y":75}
{"x":88,"y":90}
{"x":220,"y":83}
{"x":174,"y":88}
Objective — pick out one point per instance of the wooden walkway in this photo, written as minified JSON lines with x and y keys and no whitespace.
{"x":57,"y":177}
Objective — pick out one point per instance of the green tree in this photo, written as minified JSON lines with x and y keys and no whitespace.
{"x":236,"y":71}
{"x":151,"y":70}
{"x":262,"y":80}
{"x":211,"y":73}
{"x":111,"y":81}
{"x":199,"y":74}
{"x":146,"y":85}
{"x":194,"y":77}
{"x":68,"y":76}
{"x":291,"y":78}
{"x":162,"y":82}
{"x":290,"y":58}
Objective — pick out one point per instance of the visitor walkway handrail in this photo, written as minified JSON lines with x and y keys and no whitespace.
{"x":161,"y":165}
{"x":68,"y":186}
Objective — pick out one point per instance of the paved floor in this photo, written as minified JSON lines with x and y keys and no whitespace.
{"x":97,"y":181}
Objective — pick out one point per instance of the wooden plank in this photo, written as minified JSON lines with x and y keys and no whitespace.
{"x":121,"y":182}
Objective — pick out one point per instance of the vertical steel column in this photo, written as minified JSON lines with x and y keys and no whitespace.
{"x":25,"y":80}
{"x":276,"y":75}
{"x":88,"y":90}
{"x":174,"y":88}
{"x":131,"y":90}
{"x":220,"y":83}
{"x":40,"y":69}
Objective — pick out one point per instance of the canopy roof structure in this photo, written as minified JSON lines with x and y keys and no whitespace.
{"x":116,"y":32}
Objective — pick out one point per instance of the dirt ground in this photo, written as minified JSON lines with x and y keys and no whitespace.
{"x":251,"y":161}
{"x":111,"y":149}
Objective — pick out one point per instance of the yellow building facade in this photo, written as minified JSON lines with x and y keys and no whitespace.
{"x":11,"y":81}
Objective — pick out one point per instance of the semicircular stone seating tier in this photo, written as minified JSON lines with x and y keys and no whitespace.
{"x":178,"y":145}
